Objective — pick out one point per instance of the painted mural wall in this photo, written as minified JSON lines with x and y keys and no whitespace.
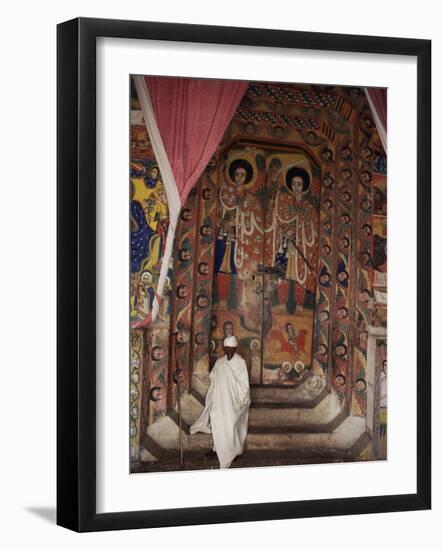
{"x":282,"y":242}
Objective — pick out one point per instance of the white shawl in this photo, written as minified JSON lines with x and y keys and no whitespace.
{"x":226,"y":413}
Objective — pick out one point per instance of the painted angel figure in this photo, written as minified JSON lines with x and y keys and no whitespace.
{"x":295,"y":230}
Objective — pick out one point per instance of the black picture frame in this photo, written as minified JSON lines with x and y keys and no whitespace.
{"x":76,"y":274}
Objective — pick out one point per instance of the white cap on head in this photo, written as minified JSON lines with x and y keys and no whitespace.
{"x":230,"y":342}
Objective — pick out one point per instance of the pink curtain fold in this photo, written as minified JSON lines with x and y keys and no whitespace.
{"x":377,"y":99}
{"x":192,"y":116}
{"x":186,"y":120}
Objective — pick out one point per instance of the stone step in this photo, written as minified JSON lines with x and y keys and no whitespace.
{"x":286,"y":439}
{"x":272,"y":414}
{"x":306,"y":395}
{"x":326,"y":416}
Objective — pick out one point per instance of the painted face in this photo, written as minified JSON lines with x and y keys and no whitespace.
{"x":346,"y":153}
{"x":184,"y":254}
{"x":365,"y":177}
{"x":146,"y":278}
{"x":240,"y":176}
{"x":339,"y":381}
{"x":290,"y":331}
{"x":344,"y":242}
{"x":230,"y":352}
{"x":154,"y":172}
{"x":206,"y":230}
{"x":342,"y":313}
{"x":182,"y":291}
{"x":202,"y":301}
{"x":323,"y":316}
{"x":366,"y":230}
{"x":345,"y":218}
{"x":328,"y":182}
{"x":297,"y":184}
{"x":360,"y":385}
{"x":365,"y":258}
{"x":200,"y":338}
{"x":207,"y":194}
{"x":327,"y":155}
{"x":255,"y":345}
{"x":178,"y":376}
{"x":324,"y":279}
{"x":326,"y":249}
{"x":322,"y":350}
{"x":366,"y":153}
{"x":183,"y":337}
{"x":203,"y":268}
{"x":343,"y":276}
{"x":157,"y":353}
{"x":186,"y":214}
{"x":156,"y":393}
{"x":340,"y":351}
{"x":384,"y":366}
{"x":228,"y":329}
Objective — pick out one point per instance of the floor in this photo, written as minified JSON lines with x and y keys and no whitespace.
{"x":197,"y":461}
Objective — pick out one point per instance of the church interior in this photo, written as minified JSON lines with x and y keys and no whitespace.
{"x":281,"y":242}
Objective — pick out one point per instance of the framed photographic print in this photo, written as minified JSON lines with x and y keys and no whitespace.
{"x":225,"y":200}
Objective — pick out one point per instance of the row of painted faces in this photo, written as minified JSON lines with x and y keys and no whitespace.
{"x":156,"y":393}
{"x":360,"y":385}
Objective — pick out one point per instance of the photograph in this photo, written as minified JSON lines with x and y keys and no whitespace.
{"x":258,"y":274}
{"x":232,"y":320}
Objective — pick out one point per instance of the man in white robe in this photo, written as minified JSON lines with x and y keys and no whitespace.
{"x":226,"y":412}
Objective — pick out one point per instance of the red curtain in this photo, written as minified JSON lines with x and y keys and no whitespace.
{"x":377,"y":98}
{"x":192,"y":116}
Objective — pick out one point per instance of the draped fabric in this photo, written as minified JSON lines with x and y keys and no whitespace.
{"x":192,"y":116}
{"x":226,"y":411}
{"x":185,"y":119}
{"x":377,"y":99}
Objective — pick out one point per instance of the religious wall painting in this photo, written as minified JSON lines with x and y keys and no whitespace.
{"x":359,"y":400}
{"x":381,"y":398}
{"x":204,"y":259}
{"x":275,"y":245}
{"x":149,"y":219}
{"x":158,"y":360}
{"x":137,"y":419}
